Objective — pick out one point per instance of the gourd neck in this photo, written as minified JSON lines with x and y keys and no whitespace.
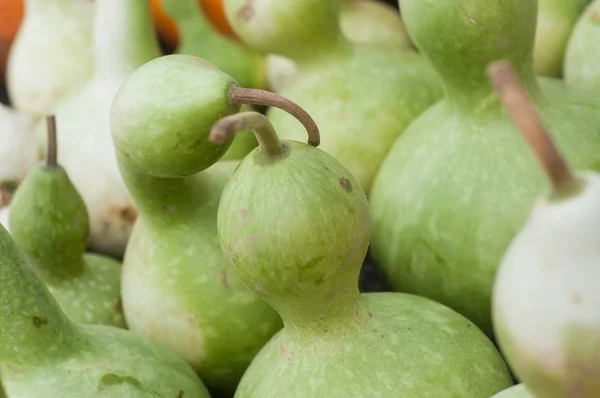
{"x":124,"y":37}
{"x":34,"y":329}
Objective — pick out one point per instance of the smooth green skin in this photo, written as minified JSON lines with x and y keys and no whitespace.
{"x":555,"y":22}
{"x":50,"y":222}
{"x":348,"y":90}
{"x":458,"y":185}
{"x":296,"y":227}
{"x":42,"y":353}
{"x":178,"y":289}
{"x":518,"y":391}
{"x":200,"y":39}
{"x":582,"y":61}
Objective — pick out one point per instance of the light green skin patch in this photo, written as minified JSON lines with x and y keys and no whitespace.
{"x":518,"y":391}
{"x":50,"y":222}
{"x":42,"y":353}
{"x":457,"y":186}
{"x":580,"y":375}
{"x":582,"y":61}
{"x":555,"y":22}
{"x":178,"y":289}
{"x":361,"y":97}
{"x":296,"y":226}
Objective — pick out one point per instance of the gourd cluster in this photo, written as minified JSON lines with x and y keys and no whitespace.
{"x":189,"y":190}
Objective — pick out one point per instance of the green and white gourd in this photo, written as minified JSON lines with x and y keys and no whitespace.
{"x":124,"y":39}
{"x":199,"y":38}
{"x":51,"y":56}
{"x":364,"y":22}
{"x":582,"y":62}
{"x":178,"y":288}
{"x":349,"y":90}
{"x":295,"y":224}
{"x":50,"y":223}
{"x":457,"y":186}
{"x":43,"y":354}
{"x":546,"y":300}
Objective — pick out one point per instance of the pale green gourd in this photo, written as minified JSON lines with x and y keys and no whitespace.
{"x":365,"y":22}
{"x":124,"y":39}
{"x":546,"y":299}
{"x":518,"y":391}
{"x":51,"y":56}
{"x":362,"y":97}
{"x":177,"y":287}
{"x":582,"y":61}
{"x":457,"y":185}
{"x":50,"y":223}
{"x":555,"y":22}
{"x":295,"y":224}
{"x":43,"y":354}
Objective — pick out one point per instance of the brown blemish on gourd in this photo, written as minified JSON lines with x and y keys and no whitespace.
{"x":594,"y":17}
{"x":247,"y":11}
{"x":224,"y":279}
{"x":370,"y":314}
{"x":345,"y":183}
{"x":38,"y":322}
{"x":191,"y":319}
{"x":180,"y":395}
{"x":243,"y":212}
{"x":285,"y":354}
{"x":575,"y":298}
{"x":253,"y":239}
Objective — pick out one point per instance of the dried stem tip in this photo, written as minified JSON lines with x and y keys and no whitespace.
{"x":52,"y":150}
{"x":240,"y":96}
{"x":526,"y":117}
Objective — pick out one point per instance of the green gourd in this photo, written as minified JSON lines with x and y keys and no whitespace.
{"x":457,"y":185}
{"x":50,"y":222}
{"x":555,"y":22}
{"x":124,"y":39}
{"x":518,"y":391}
{"x":43,"y":354}
{"x":178,"y":288}
{"x":364,"y":22}
{"x":582,"y":61}
{"x":362,"y":97}
{"x":295,"y":224}
{"x":545,"y":300}
{"x":51,"y":56}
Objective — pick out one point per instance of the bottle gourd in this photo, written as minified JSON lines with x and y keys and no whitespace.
{"x":295,"y":224}
{"x":457,"y":185}
{"x":347,"y":89}
{"x":546,"y":300}
{"x":50,"y":222}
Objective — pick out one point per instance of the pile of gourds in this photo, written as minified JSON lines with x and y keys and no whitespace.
{"x":189,"y":188}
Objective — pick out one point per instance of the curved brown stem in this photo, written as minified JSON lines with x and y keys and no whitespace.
{"x":52,"y":149}
{"x":240,"y":96}
{"x":526,"y":117}
{"x":266,"y":136}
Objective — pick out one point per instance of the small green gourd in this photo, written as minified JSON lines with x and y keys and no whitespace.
{"x":546,"y":300}
{"x":178,"y":288}
{"x":582,"y":61}
{"x":457,"y":185}
{"x":555,"y":22}
{"x":295,"y":224}
{"x":44,"y":354}
{"x":348,"y":89}
{"x":50,"y":222}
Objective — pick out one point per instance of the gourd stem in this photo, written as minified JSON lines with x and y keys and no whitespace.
{"x":240,"y":96}
{"x":52,"y":150}
{"x":525,"y":116}
{"x":266,"y":136}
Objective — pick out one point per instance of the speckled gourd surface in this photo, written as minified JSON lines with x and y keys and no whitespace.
{"x":582,"y":60}
{"x":366,"y":22}
{"x":50,"y":222}
{"x":361,"y":97}
{"x":124,"y":39}
{"x":42,"y":353}
{"x":51,"y":56}
{"x":178,"y":289}
{"x":458,"y":184}
{"x":296,"y":226}
{"x":555,"y":22}
{"x":518,"y":391}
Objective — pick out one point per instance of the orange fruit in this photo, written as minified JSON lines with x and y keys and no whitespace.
{"x":11,"y":14}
